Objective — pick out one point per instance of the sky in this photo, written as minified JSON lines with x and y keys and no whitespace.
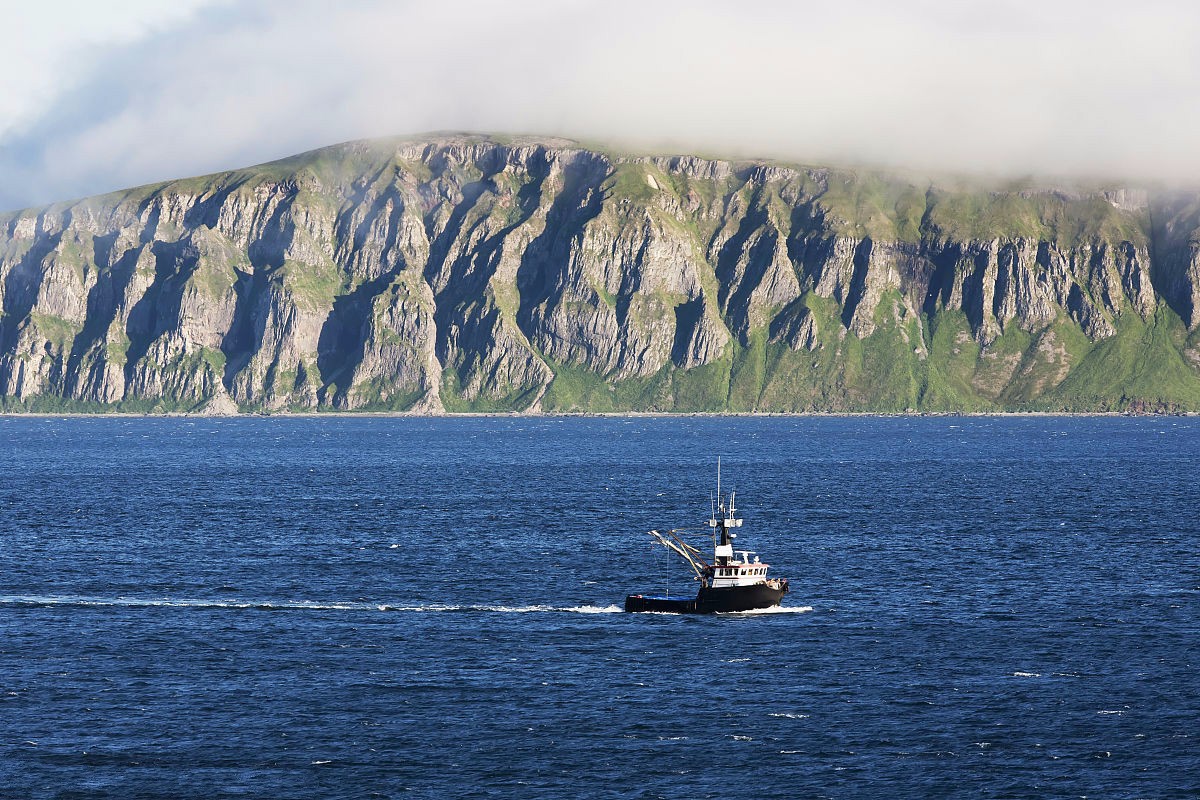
{"x":100,"y":96}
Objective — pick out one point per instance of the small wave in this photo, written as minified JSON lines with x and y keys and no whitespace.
{"x":1117,"y":712}
{"x":788,"y":716}
{"x":736,"y":660}
{"x":1027,"y":674}
{"x":739,"y":738}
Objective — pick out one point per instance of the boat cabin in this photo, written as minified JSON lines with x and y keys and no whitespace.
{"x":731,"y":572}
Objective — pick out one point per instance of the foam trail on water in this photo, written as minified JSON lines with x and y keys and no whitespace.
{"x":772,"y":610}
{"x":36,"y":601}
{"x":167,"y":602}
{"x":506,"y":609}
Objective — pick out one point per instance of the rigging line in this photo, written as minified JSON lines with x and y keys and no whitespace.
{"x":664,"y":565}
{"x":671,"y":545}
{"x":692,"y":550}
{"x":667,"y":577}
{"x":674,"y":534}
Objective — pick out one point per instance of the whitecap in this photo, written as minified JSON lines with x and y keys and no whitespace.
{"x":1027,"y":674}
{"x":788,"y":716}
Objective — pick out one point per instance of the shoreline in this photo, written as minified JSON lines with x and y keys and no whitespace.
{"x":572,"y":414}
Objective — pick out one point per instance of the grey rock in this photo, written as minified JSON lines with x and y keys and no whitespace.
{"x":464,"y":272}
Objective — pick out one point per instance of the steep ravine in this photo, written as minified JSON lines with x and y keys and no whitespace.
{"x":471,"y":273}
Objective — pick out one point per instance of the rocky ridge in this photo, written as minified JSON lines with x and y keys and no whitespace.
{"x":460,"y":273}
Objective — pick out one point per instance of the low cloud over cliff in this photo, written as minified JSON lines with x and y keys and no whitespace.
{"x":1102,"y":88}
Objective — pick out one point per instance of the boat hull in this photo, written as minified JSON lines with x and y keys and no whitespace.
{"x":662,"y":605}
{"x":738,"y":598}
{"x":712,"y":600}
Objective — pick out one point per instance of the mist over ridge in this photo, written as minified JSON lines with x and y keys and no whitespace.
{"x":1064,"y":90}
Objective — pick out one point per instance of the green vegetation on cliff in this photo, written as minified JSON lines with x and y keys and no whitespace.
{"x":466,"y":273}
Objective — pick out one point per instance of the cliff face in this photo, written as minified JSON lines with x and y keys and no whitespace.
{"x":465,"y":273}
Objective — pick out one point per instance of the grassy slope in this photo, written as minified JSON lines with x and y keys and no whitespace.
{"x":1142,"y":367}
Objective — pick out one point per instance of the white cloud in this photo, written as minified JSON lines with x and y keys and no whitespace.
{"x":1047,"y":87}
{"x":44,"y":45}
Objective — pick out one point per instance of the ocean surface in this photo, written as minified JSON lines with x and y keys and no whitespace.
{"x":388,"y":607}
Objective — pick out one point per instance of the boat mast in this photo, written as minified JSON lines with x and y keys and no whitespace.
{"x":723,"y":548}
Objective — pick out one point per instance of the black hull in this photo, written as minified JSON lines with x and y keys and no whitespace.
{"x":711,"y":600}
{"x":738,"y":598}
{"x":663,"y":605}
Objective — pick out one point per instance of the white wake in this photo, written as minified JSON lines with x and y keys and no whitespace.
{"x":287,"y":605}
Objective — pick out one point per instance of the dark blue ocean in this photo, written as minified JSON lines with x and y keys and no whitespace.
{"x":387,"y":607}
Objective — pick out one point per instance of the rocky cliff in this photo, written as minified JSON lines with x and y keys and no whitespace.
{"x":472,"y":273}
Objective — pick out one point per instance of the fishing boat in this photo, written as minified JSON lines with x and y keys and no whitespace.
{"x":735,"y":580}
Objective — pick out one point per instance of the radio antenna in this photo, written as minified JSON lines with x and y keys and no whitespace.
{"x":719,"y":481}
